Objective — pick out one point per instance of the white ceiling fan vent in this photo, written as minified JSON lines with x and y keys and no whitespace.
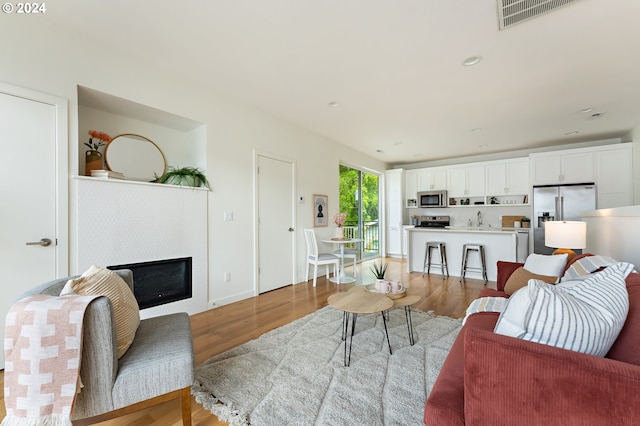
{"x":511,"y":12}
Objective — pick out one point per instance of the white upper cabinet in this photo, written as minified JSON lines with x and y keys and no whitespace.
{"x":411,"y":187}
{"x":467,"y":181}
{"x":432,"y":179}
{"x":508,"y":178}
{"x":562,"y":167}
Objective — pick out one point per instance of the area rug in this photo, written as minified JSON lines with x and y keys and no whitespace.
{"x":295,"y":374}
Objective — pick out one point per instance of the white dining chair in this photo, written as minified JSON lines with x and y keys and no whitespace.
{"x":349,"y":254}
{"x":315,"y":258}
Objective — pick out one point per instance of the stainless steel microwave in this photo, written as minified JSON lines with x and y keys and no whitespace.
{"x":433,"y":199}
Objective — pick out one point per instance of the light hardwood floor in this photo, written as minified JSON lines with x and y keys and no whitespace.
{"x":222,"y":328}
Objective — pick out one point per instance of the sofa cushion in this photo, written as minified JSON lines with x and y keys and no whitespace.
{"x":520,"y":278}
{"x":584,"y":315}
{"x":549,"y":265}
{"x":104,"y":282}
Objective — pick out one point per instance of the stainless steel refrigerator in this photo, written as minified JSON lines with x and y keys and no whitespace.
{"x":562,"y":202}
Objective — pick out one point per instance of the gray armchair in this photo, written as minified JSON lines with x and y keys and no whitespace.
{"x":157,"y":367}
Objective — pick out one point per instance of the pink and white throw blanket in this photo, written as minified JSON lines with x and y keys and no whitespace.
{"x":43,"y":348}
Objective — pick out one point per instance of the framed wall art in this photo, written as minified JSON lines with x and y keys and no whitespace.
{"x":320,"y":210}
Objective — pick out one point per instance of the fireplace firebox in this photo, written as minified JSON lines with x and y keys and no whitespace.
{"x":160,"y":281}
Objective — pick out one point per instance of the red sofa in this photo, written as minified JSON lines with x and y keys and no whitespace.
{"x":491,"y":379}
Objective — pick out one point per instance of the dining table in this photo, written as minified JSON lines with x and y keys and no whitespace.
{"x":341,"y":242}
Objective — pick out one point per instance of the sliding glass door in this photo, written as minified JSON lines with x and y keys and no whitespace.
{"x":359,"y":198}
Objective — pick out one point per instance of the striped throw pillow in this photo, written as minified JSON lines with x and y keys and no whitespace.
{"x":584,"y":316}
{"x":101,"y":281}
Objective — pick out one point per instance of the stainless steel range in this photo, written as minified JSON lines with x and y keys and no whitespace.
{"x":433,"y":222}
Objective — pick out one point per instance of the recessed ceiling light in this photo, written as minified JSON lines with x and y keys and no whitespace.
{"x":334,"y":104}
{"x":586,"y":110}
{"x":471,"y":60}
{"x":483,"y":146}
{"x":575,"y":132}
{"x":596,"y":115}
{"x":477,"y":129}
{"x":379,"y":151}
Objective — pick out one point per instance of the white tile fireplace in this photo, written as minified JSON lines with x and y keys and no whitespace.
{"x":124,"y":222}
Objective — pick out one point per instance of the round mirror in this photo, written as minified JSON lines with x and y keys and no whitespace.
{"x":137,"y":157}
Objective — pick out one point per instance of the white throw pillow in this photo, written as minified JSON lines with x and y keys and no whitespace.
{"x":102,"y":281}
{"x":541,"y":264}
{"x":584,"y":316}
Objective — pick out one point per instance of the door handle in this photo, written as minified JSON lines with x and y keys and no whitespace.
{"x":43,"y":242}
{"x":290,"y":229}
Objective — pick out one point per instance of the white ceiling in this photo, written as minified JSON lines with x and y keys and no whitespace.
{"x":395,"y":67}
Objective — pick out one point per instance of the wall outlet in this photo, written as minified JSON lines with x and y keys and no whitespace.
{"x":228,"y":216}
{"x":227,"y":276}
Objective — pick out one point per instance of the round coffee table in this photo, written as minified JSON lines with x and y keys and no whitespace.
{"x":354,"y":303}
{"x":406,"y":302}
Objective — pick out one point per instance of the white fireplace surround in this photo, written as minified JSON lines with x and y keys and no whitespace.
{"x":121,"y":222}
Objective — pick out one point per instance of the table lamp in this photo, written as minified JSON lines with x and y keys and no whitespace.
{"x":565,"y":236}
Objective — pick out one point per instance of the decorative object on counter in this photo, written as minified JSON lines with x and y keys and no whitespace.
{"x":452,"y":201}
{"x":138,"y":157}
{"x":185,"y":176}
{"x":94,"y":159}
{"x":320,"y":203}
{"x":415,"y":220}
{"x":508,"y":221}
{"x":526,"y":222}
{"x":494,"y":200}
{"x":516,"y":224}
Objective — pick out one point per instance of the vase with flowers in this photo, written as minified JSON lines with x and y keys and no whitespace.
{"x":339,"y":219}
{"x":94,"y":159}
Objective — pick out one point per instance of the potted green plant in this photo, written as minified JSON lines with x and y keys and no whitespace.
{"x":525,"y":222}
{"x":379,"y":269}
{"x":185,"y":176}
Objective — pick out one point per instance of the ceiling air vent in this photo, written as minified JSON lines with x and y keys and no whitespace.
{"x":511,"y":12}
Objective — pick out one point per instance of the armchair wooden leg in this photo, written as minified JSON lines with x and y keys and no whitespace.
{"x":185,"y":402}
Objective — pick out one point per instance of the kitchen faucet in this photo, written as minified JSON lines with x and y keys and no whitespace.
{"x":479,"y":221}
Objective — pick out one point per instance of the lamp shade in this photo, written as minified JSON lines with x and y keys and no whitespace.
{"x":565,"y":234}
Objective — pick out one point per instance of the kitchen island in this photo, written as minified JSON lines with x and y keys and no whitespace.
{"x":499,"y":244}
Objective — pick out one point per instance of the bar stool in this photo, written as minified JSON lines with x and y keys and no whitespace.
{"x":465,"y":255}
{"x":440,"y":246}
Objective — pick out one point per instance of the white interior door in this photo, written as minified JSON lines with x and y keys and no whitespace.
{"x":29,"y":132}
{"x":276,"y":238}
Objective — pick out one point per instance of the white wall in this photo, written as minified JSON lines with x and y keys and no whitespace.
{"x":43,"y":57}
{"x":614,"y":233}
